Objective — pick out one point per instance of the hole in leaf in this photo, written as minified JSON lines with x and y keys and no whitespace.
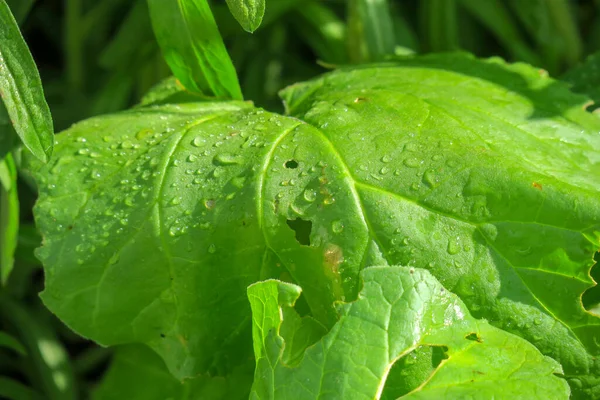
{"x":302,"y":229}
{"x":474,"y":337}
{"x":591,"y":297}
{"x":410,"y":371}
{"x":291,"y":164}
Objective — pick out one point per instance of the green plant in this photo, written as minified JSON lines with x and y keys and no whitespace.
{"x":420,"y":227}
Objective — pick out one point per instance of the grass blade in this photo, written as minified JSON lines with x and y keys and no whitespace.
{"x":370,"y":30}
{"x":21,"y":89}
{"x":439,"y":23}
{"x":323,"y":30}
{"x":20,"y":9}
{"x":249,"y":13}
{"x":495,"y":16}
{"x":193,"y":48}
{"x":9,"y":217}
{"x":9,"y":342}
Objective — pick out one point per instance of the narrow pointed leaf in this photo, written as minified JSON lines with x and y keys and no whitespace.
{"x":9,"y":217}
{"x":8,"y":341}
{"x":192,"y":45}
{"x":370,"y":31}
{"x":21,"y":89}
{"x":249,"y":13}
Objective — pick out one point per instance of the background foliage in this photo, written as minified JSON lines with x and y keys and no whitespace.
{"x":101,"y":56}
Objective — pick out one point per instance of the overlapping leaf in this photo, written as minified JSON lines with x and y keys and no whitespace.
{"x":485,"y":174}
{"x":397,"y":310}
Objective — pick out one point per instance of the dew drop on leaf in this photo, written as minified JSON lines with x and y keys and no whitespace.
{"x":453,"y":246}
{"x":225,"y":159}
{"x":310,"y":195}
{"x":337,"y":226}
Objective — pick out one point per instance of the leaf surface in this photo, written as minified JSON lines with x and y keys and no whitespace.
{"x":485,"y":174}
{"x":136,"y":372}
{"x":398,"y":309}
{"x":21,"y":89}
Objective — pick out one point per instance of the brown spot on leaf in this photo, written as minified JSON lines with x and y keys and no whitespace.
{"x":536,"y":185}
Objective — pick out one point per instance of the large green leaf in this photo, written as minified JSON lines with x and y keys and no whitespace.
{"x":398,"y":310}
{"x":483,"y":173}
{"x":137,"y":373}
{"x":21,"y":89}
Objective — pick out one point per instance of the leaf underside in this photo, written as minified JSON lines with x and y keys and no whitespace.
{"x":483,"y":173}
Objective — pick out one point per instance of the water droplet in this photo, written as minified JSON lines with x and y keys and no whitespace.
{"x":225,"y":159}
{"x":429,"y":177}
{"x":412,"y":162}
{"x":141,"y":135}
{"x":95,"y":174}
{"x":212,"y":249}
{"x":453,"y":246}
{"x":337,"y":226}
{"x":329,"y":200}
{"x":537,"y":321}
{"x":310,"y":195}
{"x":386,"y":159}
{"x":126,"y":145}
{"x":176,"y":230}
{"x":192,"y":158}
{"x":123,"y":221}
{"x":198,"y":141}
{"x":176,"y":200}
{"x":209,"y":204}
{"x":83,"y":152}
{"x":384,"y":170}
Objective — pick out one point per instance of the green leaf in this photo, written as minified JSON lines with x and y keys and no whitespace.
{"x":48,"y":363}
{"x":439,"y":24}
{"x":323,"y":30}
{"x":484,"y":162}
{"x":188,"y":36}
{"x":398,"y":309}
{"x":370,"y":34}
{"x":8,"y":136}
{"x":484,"y":173}
{"x":8,"y":341}
{"x":9,"y":217}
{"x":12,"y":389}
{"x":20,"y":9}
{"x":249,"y":13}
{"x":138,"y":373}
{"x":495,"y":16}
{"x":21,"y":89}
{"x":551,"y":25}
{"x":585,"y":78}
